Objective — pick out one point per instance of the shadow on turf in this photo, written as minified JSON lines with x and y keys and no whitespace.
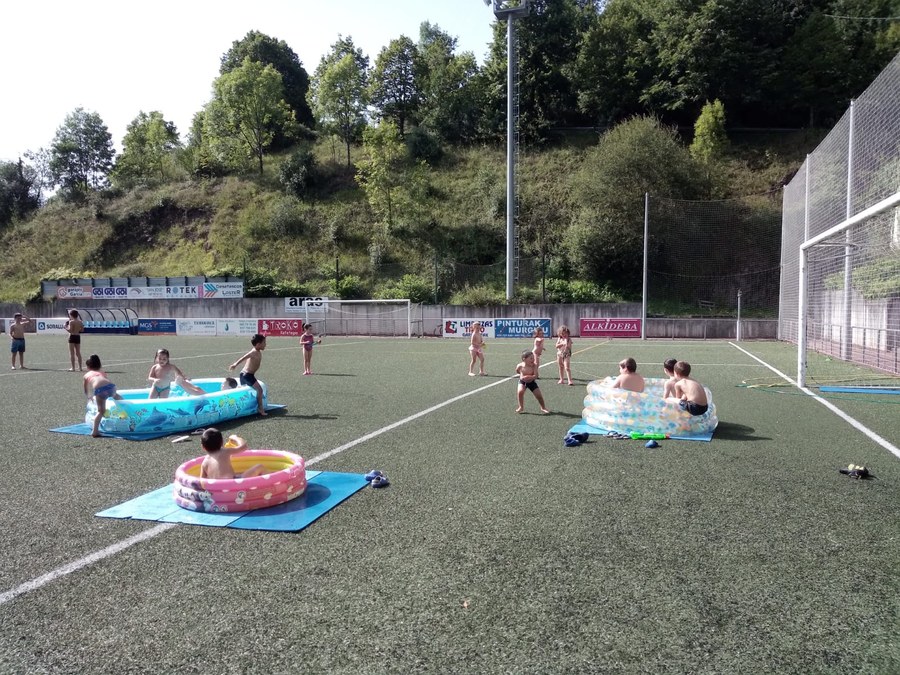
{"x":729,"y":431}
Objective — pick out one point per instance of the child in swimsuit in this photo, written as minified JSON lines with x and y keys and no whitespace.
{"x":163,"y":373}
{"x":476,"y":348}
{"x":527,"y":372}
{"x":307,"y":340}
{"x":74,"y":326}
{"x":97,"y":384}
{"x":564,"y":353}
{"x":690,"y":394}
{"x":669,"y":369}
{"x":217,"y":463}
{"x":248,"y":374}
{"x":17,"y":337}
{"x":538,"y":348}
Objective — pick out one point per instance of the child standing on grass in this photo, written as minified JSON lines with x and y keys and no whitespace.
{"x":307,"y":340}
{"x":163,"y":373}
{"x":527,"y":372}
{"x":97,"y":384}
{"x":669,"y":386}
{"x":217,"y":463}
{"x":248,"y":374}
{"x":476,"y":348}
{"x":538,"y":348}
{"x":17,"y":339}
{"x":689,"y":393}
{"x":74,"y":327}
{"x":564,"y":353}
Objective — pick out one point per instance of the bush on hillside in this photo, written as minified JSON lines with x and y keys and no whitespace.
{"x":479,"y":296}
{"x":414,"y":287}
{"x":298,"y":173}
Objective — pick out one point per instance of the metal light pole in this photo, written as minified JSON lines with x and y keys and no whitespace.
{"x":504,"y":12}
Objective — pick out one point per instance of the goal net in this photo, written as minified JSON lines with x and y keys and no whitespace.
{"x":387,"y":318}
{"x":840,"y":284}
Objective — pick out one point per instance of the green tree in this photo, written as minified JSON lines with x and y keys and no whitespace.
{"x":394,"y":187}
{"x":640,"y":155}
{"x":147,"y":148}
{"x":270,"y":51}
{"x":449,"y":86}
{"x":81,"y":154}
{"x":19,"y":192}
{"x":393,"y":88}
{"x":247,"y":109}
{"x":710,"y":140}
{"x":338,"y":93}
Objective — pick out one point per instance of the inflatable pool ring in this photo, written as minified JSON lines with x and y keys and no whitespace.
{"x":284,"y":480}
{"x":628,"y":412}
{"x":138,"y":414}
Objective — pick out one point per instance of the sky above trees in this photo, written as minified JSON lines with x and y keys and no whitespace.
{"x":117,"y":61}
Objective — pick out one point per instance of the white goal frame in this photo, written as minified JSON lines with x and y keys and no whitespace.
{"x":402,"y":304}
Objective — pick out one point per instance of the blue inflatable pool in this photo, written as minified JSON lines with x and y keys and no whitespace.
{"x":137,"y":413}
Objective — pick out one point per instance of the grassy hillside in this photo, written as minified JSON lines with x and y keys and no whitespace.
{"x":248,"y":222}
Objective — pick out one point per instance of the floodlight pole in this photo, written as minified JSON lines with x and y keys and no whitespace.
{"x":503,"y":12}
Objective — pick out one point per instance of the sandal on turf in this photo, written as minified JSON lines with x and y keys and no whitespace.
{"x":571,"y":442}
{"x":373,"y":474}
{"x":616,"y":435}
{"x":380,"y":481}
{"x":581,"y":436}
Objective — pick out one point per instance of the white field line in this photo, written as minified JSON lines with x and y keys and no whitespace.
{"x":859,"y":426}
{"x":38,"y":582}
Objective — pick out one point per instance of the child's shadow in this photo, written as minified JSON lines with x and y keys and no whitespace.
{"x":729,"y":431}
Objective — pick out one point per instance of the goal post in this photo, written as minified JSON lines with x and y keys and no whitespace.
{"x":387,"y":318}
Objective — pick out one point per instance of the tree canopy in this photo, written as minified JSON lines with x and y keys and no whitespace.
{"x":81,"y":155}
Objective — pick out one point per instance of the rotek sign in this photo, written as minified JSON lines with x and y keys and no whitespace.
{"x":622,"y":328}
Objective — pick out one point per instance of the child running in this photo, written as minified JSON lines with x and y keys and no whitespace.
{"x":538,"y":348}
{"x":307,"y":340}
{"x":476,"y":348}
{"x":689,"y":393}
{"x":564,"y":353}
{"x":248,"y":374}
{"x":74,"y":327}
{"x":17,"y":339}
{"x":527,"y":372}
{"x":217,"y":463}
{"x":97,"y":384}
{"x":163,"y":373}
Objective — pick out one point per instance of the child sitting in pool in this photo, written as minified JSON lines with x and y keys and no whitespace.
{"x":217,"y":463}
{"x":229,"y":383}
{"x":669,"y":386}
{"x":163,"y":373}
{"x":689,"y":393}
{"x":628,"y":376}
{"x":97,"y":384}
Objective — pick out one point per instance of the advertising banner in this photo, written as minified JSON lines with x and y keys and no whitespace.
{"x":280,"y":327}
{"x":616,"y":328}
{"x":64,"y":292}
{"x":50,"y":326}
{"x":220,"y":289}
{"x":305,"y":305}
{"x":204,"y":327}
{"x":520,"y":328}
{"x":462,"y":328}
{"x":147,"y":292}
{"x":157,"y":327}
{"x":246,"y":327}
{"x":109,"y":293}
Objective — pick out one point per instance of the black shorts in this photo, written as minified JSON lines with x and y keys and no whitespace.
{"x":531,"y":386}
{"x":75,"y":339}
{"x":694,"y":408}
{"x":248,"y":379}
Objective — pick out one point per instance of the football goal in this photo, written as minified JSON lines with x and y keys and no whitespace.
{"x":388,"y":318}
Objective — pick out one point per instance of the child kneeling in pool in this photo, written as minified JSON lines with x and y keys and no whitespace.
{"x":217,"y":463}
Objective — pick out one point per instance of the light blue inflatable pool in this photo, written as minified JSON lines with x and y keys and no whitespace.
{"x":137,"y":413}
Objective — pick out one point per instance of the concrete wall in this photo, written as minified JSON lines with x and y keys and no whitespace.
{"x":427,"y":319}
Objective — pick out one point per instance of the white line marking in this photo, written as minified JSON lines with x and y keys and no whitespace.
{"x":884,"y":443}
{"x":83,"y":562}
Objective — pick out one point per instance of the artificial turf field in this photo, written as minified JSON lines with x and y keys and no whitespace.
{"x":495,"y":548}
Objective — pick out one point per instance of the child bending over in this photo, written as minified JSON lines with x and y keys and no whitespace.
{"x":97,"y":384}
{"x":689,"y":393}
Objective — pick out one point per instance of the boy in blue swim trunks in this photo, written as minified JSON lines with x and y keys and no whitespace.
{"x":17,"y":337}
{"x":248,"y":374}
{"x":97,"y":384}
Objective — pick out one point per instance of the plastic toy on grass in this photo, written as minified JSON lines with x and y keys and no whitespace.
{"x":136,"y":413}
{"x":646,"y":415}
{"x":284,"y":480}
